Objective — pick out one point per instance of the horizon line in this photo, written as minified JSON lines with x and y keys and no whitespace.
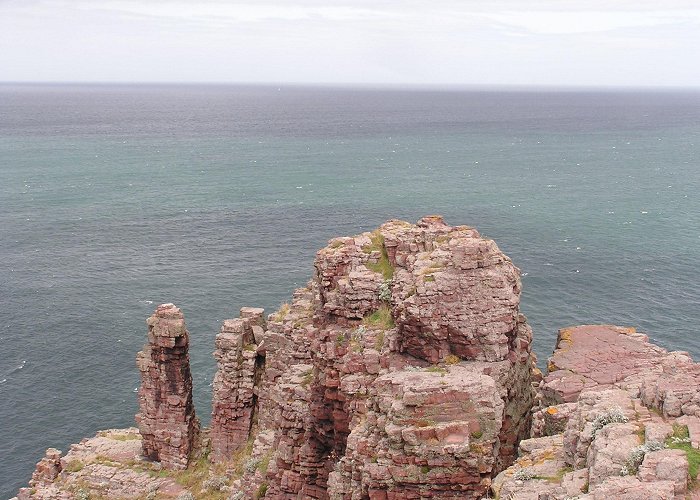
{"x":357,"y":85}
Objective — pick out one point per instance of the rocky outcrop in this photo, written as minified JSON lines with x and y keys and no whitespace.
{"x":609,"y":424}
{"x":109,"y":465}
{"x":166,"y":418}
{"x":409,"y":373}
{"x":602,"y":356}
{"x":235,"y":394}
{"x":48,"y":469}
{"x":402,"y":370}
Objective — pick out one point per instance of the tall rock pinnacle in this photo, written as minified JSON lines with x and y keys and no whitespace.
{"x":235,"y":398}
{"x":166,"y":418}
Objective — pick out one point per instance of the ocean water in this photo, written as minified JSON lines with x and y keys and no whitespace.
{"x":116,"y":198}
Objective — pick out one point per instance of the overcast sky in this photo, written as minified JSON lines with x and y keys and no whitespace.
{"x":484,"y":42}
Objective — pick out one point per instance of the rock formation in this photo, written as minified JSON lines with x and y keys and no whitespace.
{"x":48,"y":468}
{"x":166,"y":418}
{"x":403,"y":370}
{"x":108,"y":465}
{"x":617,"y":417}
{"x":235,"y":393}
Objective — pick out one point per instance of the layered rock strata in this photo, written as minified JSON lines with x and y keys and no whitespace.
{"x":108,"y":465}
{"x":234,"y":388}
{"x":402,"y":370}
{"x":166,"y":417}
{"x":617,"y":418}
{"x":413,"y":378}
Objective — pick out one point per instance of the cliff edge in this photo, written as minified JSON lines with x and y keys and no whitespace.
{"x":403,"y":370}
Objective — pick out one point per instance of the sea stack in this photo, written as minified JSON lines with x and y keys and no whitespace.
{"x":166,"y":419}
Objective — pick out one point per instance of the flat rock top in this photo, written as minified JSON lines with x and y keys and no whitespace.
{"x":167,"y":321}
{"x":108,"y":465}
{"x":604,"y":353}
{"x":599,"y":355}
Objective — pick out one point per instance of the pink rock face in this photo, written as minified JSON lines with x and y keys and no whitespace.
{"x":676,"y":389}
{"x":406,"y":369}
{"x":47,"y":469}
{"x":666,"y":465}
{"x":630,"y":488}
{"x":459,"y":292}
{"x":166,"y":418}
{"x":234,"y":395}
{"x":426,"y":431}
{"x":108,"y":465}
{"x":602,"y":356}
{"x":615,"y":382}
{"x":433,"y":264}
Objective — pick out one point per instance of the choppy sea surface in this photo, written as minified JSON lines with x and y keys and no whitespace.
{"x":117,"y":198}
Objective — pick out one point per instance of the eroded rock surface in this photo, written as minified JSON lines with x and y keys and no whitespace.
{"x":402,"y":370}
{"x":166,"y":415}
{"x":600,"y":356}
{"x":624,"y":427}
{"x":109,"y":465}
{"x":235,"y":394}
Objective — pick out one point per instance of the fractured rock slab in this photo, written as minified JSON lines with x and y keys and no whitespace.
{"x":427,"y":433}
{"x":108,"y":465}
{"x":607,"y":356}
{"x":603,"y":356}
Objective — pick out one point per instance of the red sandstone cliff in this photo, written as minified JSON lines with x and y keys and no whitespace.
{"x":167,"y":420}
{"x":401,"y":371}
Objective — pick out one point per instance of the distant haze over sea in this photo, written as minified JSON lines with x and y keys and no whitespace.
{"x":116,"y":198}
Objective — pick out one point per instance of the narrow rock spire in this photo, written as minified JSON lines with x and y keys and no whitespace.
{"x":239,"y":366}
{"x":166,"y":418}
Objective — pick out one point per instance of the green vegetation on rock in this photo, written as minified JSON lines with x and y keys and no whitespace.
{"x":281,"y":312}
{"x":380,"y":318}
{"x":382,"y":266}
{"x":680,"y":440}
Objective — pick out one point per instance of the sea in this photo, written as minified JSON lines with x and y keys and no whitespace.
{"x":116,"y":198}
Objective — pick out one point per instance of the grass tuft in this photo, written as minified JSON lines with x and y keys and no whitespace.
{"x":451,"y":359}
{"x":383,"y":265}
{"x":680,"y":440}
{"x":436,"y":369}
{"x":120,"y":437}
{"x":194,"y":475}
{"x":308,"y":377}
{"x":281,"y":312}
{"x":379,"y":341}
{"x":241,"y":456}
{"x":265,"y":463}
{"x":74,"y":466}
{"x":262,"y":491}
{"x":380,"y":318}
